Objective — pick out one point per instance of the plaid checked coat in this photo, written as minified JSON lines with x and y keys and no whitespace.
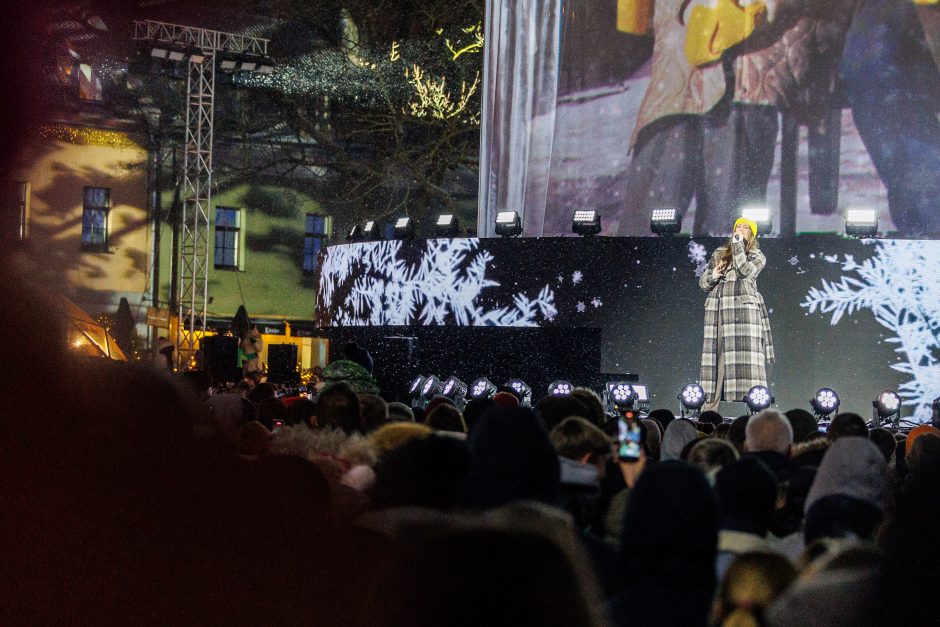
{"x":737,"y":327}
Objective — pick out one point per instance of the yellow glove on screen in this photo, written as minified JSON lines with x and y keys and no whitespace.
{"x":711,"y":31}
{"x":633,"y":16}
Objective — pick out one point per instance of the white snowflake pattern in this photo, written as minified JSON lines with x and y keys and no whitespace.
{"x":898,"y":284}
{"x":444,"y":285}
{"x":561,"y":279}
{"x":576,"y":277}
{"x":699,"y":256}
{"x":794,"y":260}
{"x":580,"y":307}
{"x":596,"y":302}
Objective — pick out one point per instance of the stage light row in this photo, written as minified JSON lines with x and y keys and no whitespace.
{"x":587,"y":222}
{"x":621,"y":396}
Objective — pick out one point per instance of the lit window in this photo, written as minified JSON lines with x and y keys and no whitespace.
{"x":227,"y":232}
{"x":315,"y":234}
{"x":95,"y":210}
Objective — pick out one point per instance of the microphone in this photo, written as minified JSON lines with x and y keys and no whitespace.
{"x":736,"y":238}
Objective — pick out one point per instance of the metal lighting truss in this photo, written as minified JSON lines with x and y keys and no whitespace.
{"x":193,"y":280}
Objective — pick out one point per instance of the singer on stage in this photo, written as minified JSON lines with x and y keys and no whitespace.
{"x":737,"y":327}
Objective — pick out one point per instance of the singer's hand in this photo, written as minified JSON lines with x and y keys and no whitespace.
{"x":736,"y":238}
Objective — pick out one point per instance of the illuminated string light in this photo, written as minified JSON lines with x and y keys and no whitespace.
{"x":87,"y":136}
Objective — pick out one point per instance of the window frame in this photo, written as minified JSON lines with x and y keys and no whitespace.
{"x":311,"y":236}
{"x":237,"y":243}
{"x":88,"y":228}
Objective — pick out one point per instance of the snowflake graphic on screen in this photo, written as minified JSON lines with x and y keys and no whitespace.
{"x":576,"y":277}
{"x":580,"y":307}
{"x":899,"y":285}
{"x":596,"y":302}
{"x":442,"y":288}
{"x":699,"y":256}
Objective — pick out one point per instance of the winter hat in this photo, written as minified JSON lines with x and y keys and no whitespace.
{"x":751,"y":224}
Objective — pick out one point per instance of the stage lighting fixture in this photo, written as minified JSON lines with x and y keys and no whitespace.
{"x":159,"y":53}
{"x":177,"y":55}
{"x":430,"y":387}
{"x":404,"y":227}
{"x":758,"y":398}
{"x":446,"y":225}
{"x":454,"y":389}
{"x":620,"y":396}
{"x":355,"y":233}
{"x":482,"y":388}
{"x":665,"y":221}
{"x":371,"y":230}
{"x":560,"y":388}
{"x":249,"y":65}
{"x":414,"y":388}
{"x":861,"y":222}
{"x":266,"y":66}
{"x":196,"y":56}
{"x":508,"y":224}
{"x":888,"y":405}
{"x":227,"y":64}
{"x":586,"y":222}
{"x":522,"y":389}
{"x":761,"y":215}
{"x":692,"y":398}
{"x":825,"y":403}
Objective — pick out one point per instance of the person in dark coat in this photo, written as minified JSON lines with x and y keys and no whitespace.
{"x":670,"y":536}
{"x":737,"y":340}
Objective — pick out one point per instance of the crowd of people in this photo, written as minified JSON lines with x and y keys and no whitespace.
{"x":135,"y":495}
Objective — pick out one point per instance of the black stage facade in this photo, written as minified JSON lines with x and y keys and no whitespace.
{"x":856,"y":316}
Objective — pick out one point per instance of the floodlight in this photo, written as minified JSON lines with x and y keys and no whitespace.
{"x":196,"y":56}
{"x":761,"y":215}
{"x":692,"y":398}
{"x":758,"y":398}
{"x":430,"y":387}
{"x":508,"y":224}
{"x":355,"y":233}
{"x":620,"y":396}
{"x":159,"y":53}
{"x":586,"y":222}
{"x":522,"y":389}
{"x":371,"y":230}
{"x":454,"y":389}
{"x":665,"y":221}
{"x":446,"y":225}
{"x":560,"y":388}
{"x":482,"y":388}
{"x":888,"y":405}
{"x":176,"y":55}
{"x":266,"y":66}
{"x":249,"y":65}
{"x":824,"y":403}
{"x":861,"y":222}
{"x":404,"y":227}
{"x":415,"y":387}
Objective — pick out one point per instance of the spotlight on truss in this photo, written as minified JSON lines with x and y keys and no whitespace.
{"x":761,"y":215}
{"x":482,"y":388}
{"x":586,"y":222}
{"x":665,"y":221}
{"x":508,"y":224}
{"x":861,"y":222}
{"x":758,"y":398}
{"x":560,"y":388}
{"x":692,"y":397}
{"x":446,"y":225}
{"x":825,"y":403}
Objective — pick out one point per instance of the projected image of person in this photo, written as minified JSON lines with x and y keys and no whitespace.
{"x":737,"y":340}
{"x":721,"y":73}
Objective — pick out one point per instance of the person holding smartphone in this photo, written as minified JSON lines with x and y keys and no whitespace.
{"x":737,"y":340}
